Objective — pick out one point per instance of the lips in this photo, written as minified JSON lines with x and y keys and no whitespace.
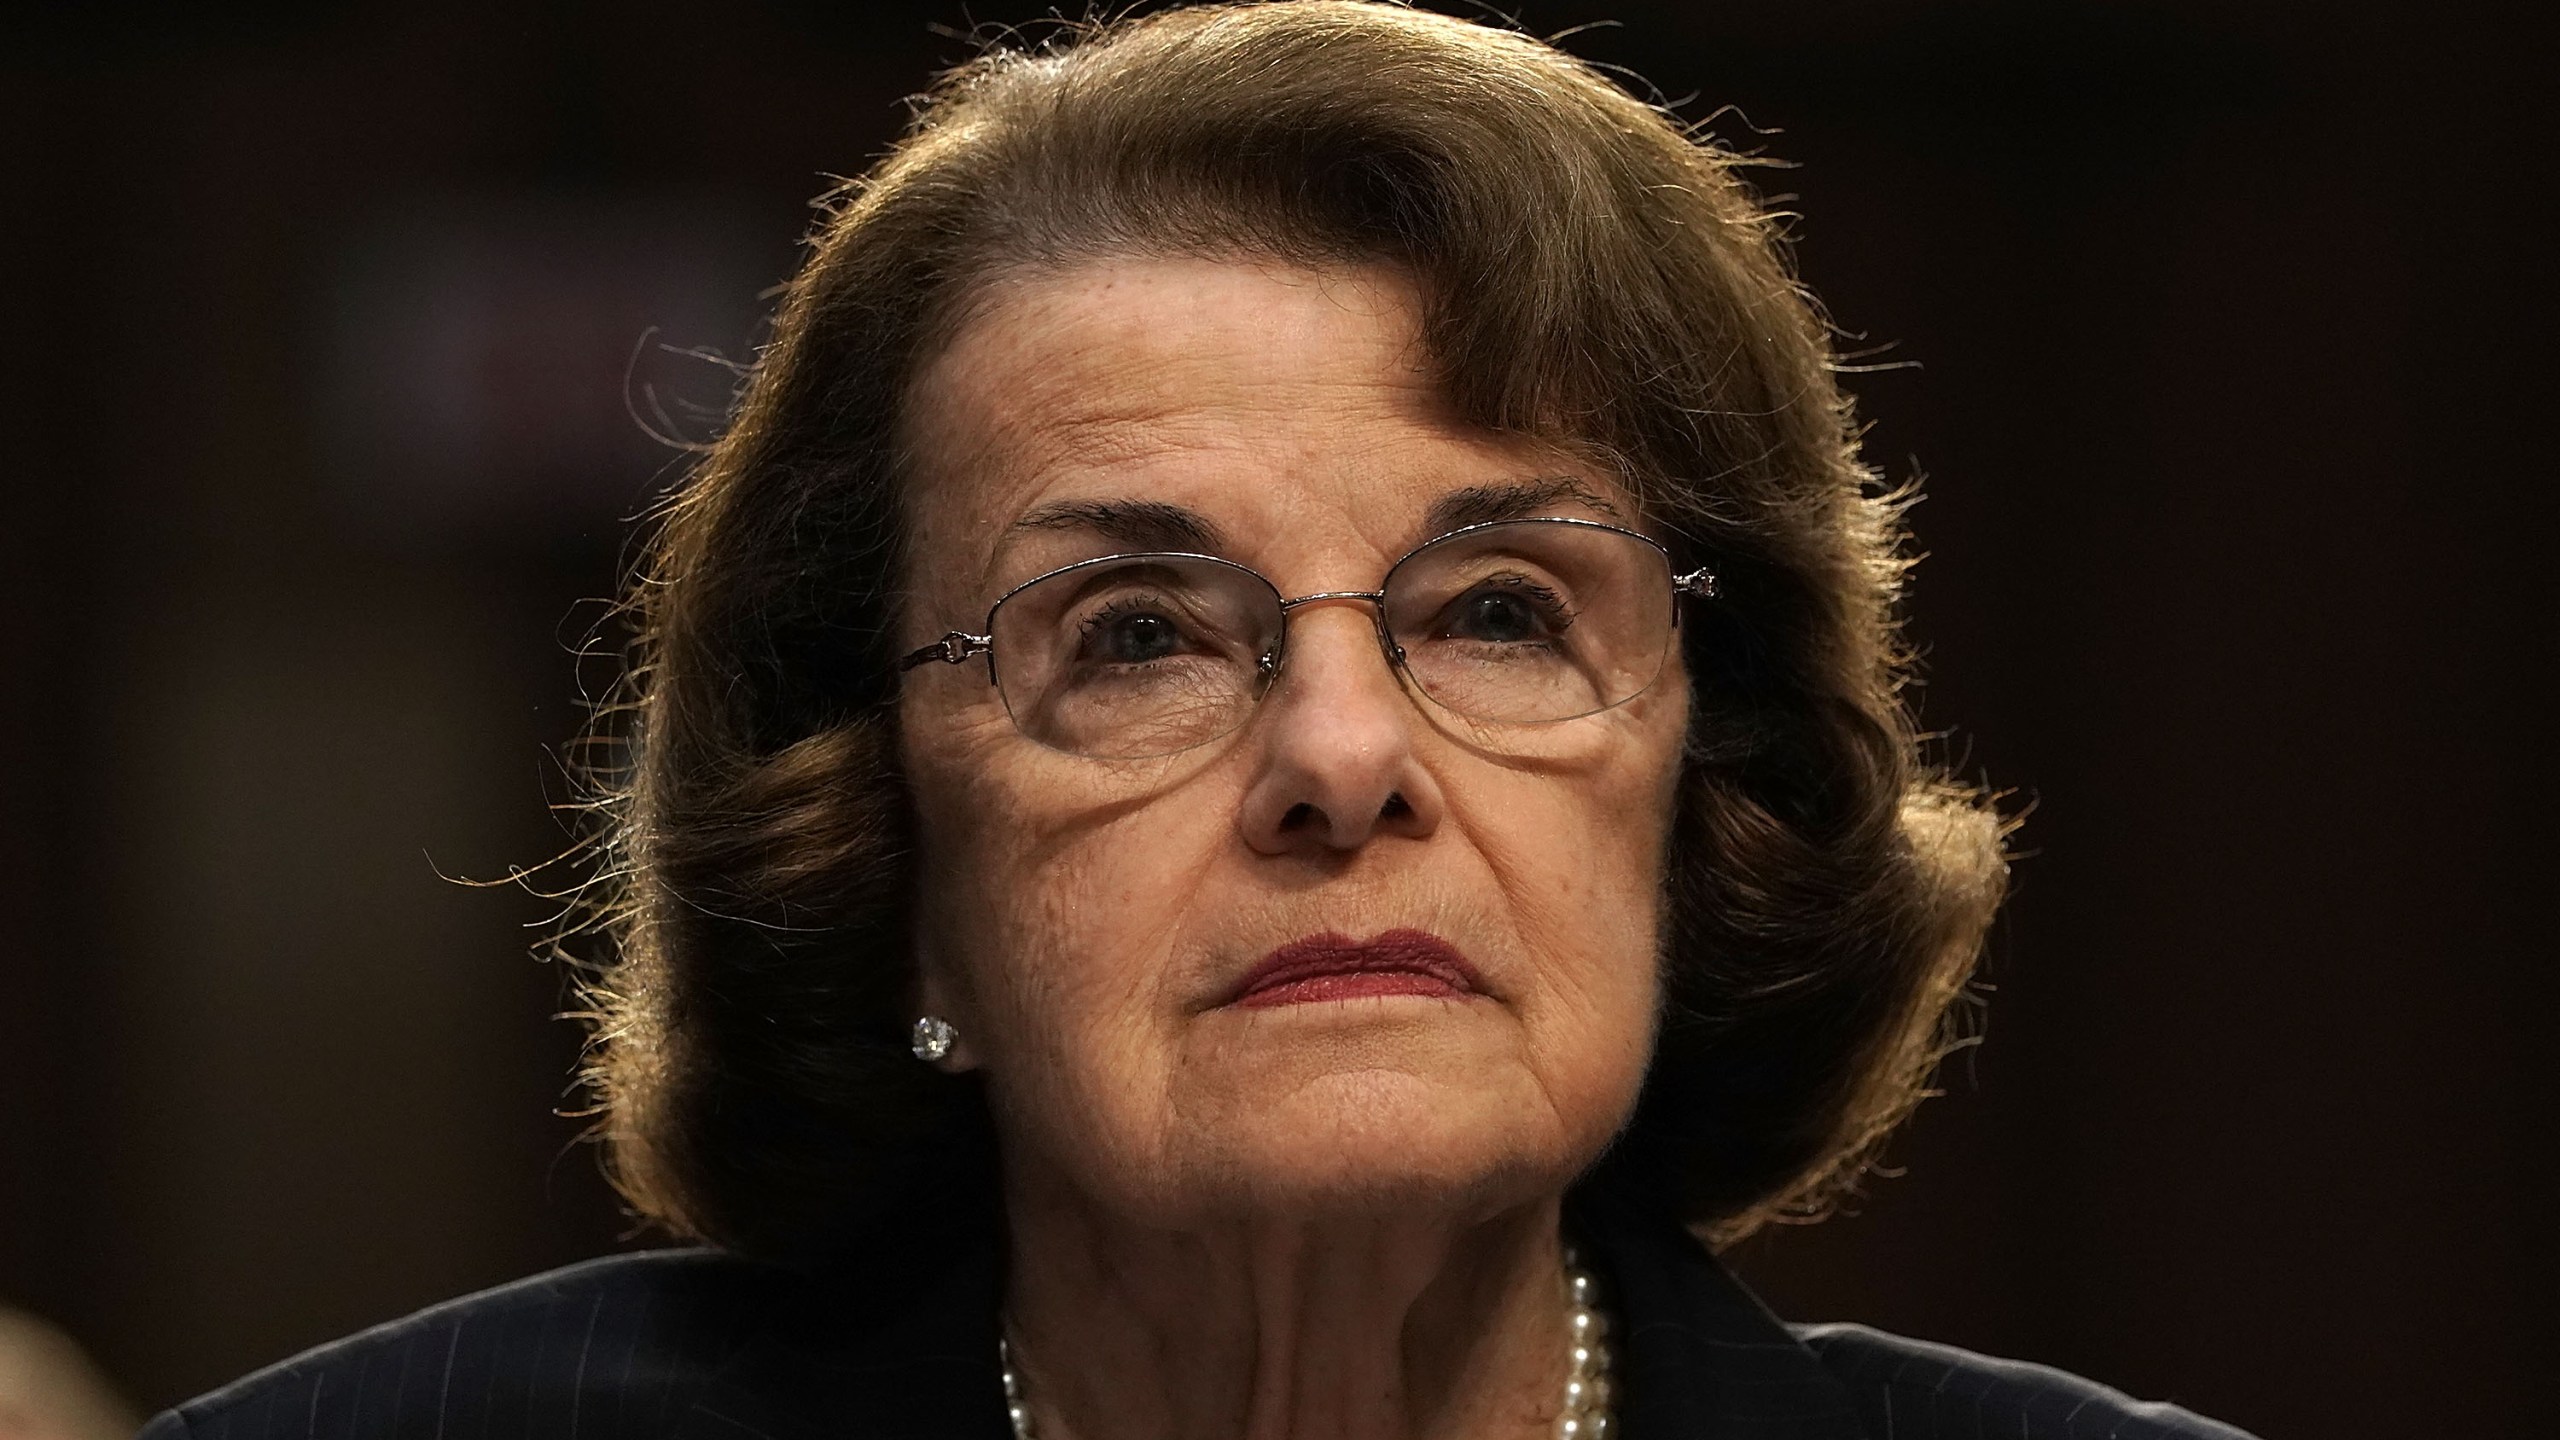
{"x":1337,"y":967}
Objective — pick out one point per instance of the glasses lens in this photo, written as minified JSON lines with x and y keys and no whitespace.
{"x":1533,"y":620}
{"x":1136,"y":655}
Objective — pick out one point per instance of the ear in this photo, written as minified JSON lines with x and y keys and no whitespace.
{"x":936,"y":995}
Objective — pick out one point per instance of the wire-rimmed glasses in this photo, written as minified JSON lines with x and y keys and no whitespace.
{"x":1516,"y":622}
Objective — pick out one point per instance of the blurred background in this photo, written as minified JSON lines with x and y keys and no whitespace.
{"x":2222,"y":333}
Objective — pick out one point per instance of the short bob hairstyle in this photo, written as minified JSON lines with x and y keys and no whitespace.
{"x":1592,"y":275}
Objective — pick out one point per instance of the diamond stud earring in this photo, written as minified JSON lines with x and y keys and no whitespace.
{"x":931,"y":1038}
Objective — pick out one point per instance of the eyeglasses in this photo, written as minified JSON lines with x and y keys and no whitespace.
{"x":1518,"y":622}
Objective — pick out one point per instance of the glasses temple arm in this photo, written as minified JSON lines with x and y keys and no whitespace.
{"x":951,"y":649}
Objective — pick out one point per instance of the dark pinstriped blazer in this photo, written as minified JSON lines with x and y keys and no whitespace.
{"x":695,"y":1345}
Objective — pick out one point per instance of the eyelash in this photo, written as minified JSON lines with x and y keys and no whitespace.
{"x":1549,"y":603}
{"x":1115,"y":608}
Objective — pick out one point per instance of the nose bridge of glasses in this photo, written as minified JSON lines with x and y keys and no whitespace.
{"x":1375,"y":599}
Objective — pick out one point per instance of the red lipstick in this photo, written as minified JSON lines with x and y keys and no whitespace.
{"x":1336,"y":967}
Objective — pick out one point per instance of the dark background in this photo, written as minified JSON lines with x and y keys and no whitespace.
{"x":2231,"y":325}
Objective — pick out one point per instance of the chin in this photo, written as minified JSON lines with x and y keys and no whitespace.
{"x":1384,"y":1110}
{"x":1383,"y":1144}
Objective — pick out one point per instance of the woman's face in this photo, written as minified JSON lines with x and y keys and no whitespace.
{"x":1092,"y":926}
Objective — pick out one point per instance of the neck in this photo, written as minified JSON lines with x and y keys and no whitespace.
{"x":1269,"y":1328}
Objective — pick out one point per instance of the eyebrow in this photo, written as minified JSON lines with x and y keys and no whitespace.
{"x":1510,"y":500}
{"x":1161,"y":526}
{"x":1138,"y":524}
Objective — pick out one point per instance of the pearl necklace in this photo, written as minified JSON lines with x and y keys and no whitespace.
{"x":1585,"y":1414}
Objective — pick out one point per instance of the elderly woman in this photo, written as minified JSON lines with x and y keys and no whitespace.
{"x":1265,"y":768}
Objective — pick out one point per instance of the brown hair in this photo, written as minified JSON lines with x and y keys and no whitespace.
{"x":1592,"y":275}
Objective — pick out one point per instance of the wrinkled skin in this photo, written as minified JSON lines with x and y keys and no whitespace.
{"x":1332,"y":1218}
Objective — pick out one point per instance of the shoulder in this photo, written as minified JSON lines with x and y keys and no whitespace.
{"x":617,"y":1346}
{"x":1912,"y":1389}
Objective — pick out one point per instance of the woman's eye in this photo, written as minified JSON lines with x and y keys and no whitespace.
{"x":1133,"y":638}
{"x":1502,"y":617}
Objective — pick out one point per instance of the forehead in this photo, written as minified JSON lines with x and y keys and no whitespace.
{"x":1282,"y":404}
{"x":1103,"y":362}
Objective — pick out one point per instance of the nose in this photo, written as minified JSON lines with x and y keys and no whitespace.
{"x":1337,"y":766}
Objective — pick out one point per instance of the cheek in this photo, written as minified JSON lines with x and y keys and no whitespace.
{"x":1060,"y":927}
{"x":1054,"y":891}
{"x":1579,"y":861}
{"x":1585,"y":890}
